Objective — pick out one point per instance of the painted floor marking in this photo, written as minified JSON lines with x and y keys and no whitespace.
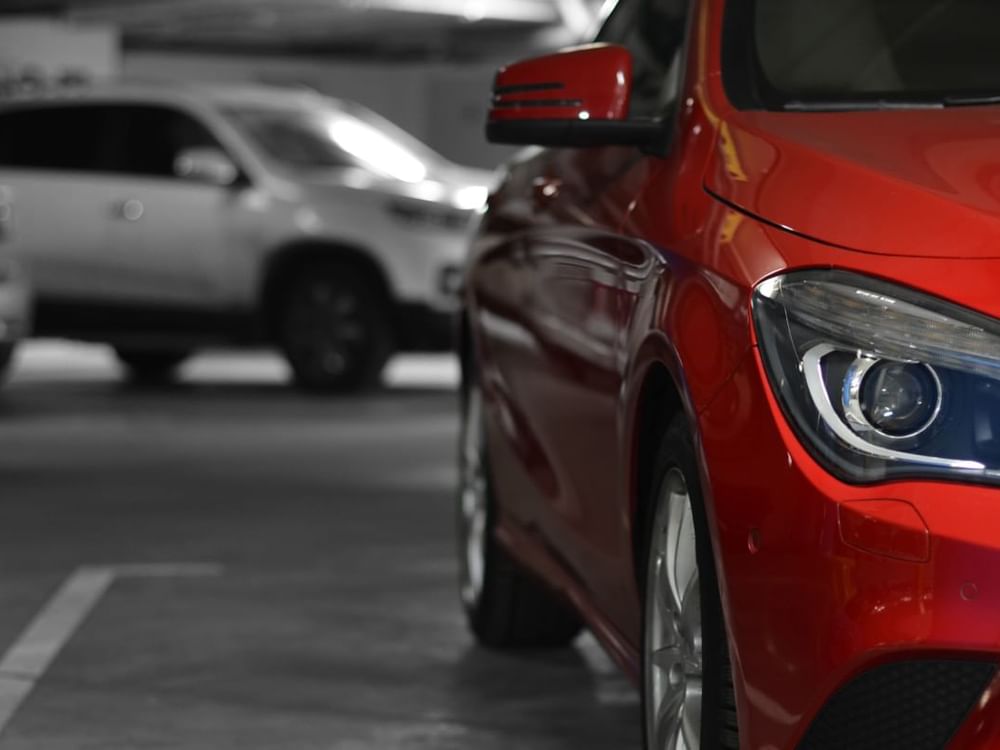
{"x":27,"y":660}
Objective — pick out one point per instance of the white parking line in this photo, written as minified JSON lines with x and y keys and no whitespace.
{"x":27,"y":660}
{"x":53,"y":360}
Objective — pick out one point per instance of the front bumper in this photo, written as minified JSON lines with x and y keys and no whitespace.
{"x":825,"y":582}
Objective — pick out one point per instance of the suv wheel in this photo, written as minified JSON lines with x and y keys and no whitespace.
{"x":151,"y":365}
{"x":687,"y":691}
{"x":505,"y":607}
{"x":6,"y":358}
{"x":335,"y":329}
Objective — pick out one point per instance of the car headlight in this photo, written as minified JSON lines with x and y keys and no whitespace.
{"x":881,"y":382}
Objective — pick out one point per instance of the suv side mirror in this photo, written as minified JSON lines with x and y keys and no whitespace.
{"x":209,"y":165}
{"x":577,"y":97}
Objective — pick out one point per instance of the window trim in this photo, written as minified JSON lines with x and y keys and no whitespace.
{"x":670,"y":115}
{"x":113,"y":141}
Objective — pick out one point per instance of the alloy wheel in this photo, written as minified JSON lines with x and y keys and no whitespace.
{"x":473,"y":500}
{"x":673,"y":632}
{"x":326,"y":327}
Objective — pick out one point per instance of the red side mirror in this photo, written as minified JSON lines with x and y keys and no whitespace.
{"x":580,"y":83}
{"x":577,"y":97}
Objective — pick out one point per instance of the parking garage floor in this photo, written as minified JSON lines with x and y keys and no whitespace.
{"x":228,"y":563}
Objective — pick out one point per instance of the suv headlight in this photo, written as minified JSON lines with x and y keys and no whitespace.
{"x":881,"y":382}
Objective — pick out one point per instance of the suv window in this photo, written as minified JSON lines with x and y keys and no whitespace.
{"x":653,"y":31}
{"x":297,"y":138}
{"x":65,"y":138}
{"x":154,"y":136}
{"x":129,"y":139}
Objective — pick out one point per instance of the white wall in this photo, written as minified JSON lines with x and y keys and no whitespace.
{"x":443,"y":105}
{"x":53,"y":49}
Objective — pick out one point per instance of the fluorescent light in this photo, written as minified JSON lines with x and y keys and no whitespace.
{"x":523,"y":11}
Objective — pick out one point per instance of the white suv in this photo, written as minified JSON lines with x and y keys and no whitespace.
{"x":162,"y":218}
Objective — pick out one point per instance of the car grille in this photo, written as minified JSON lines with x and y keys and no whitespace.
{"x":913,"y":705}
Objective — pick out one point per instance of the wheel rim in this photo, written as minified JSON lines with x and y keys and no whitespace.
{"x":326,"y":328}
{"x":673,"y":645}
{"x":472,"y":500}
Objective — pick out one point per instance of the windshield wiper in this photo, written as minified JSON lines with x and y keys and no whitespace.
{"x":971,"y":101}
{"x":860,"y":104}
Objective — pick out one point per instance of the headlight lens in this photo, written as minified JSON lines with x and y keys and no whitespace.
{"x":881,"y":382}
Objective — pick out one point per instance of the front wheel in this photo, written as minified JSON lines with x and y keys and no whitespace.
{"x":687,"y":693}
{"x":506,"y":606}
{"x":334,"y":327}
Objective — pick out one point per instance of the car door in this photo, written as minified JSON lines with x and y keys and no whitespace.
{"x":169,"y":234}
{"x":54,"y":159}
{"x":582,"y":264}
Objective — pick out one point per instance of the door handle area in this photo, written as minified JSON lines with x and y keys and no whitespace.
{"x":129,"y":210}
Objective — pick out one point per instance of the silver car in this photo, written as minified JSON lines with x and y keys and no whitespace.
{"x":163,"y":218}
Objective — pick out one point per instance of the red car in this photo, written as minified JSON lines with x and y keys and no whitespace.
{"x":732,"y":369}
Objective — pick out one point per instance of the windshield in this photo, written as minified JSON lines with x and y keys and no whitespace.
{"x":793,"y":53}
{"x":324,"y":138}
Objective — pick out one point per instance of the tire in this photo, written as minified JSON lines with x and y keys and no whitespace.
{"x":6,"y":359}
{"x":506,"y":607}
{"x":688,"y":699}
{"x":334,"y":327}
{"x":151,"y":365}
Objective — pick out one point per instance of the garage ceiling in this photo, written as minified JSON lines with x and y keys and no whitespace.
{"x":316,"y":26}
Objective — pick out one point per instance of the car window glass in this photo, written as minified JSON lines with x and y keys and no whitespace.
{"x":66,"y":138}
{"x":154,"y":136}
{"x":653,"y":31}
{"x":791,"y":52}
{"x":294,"y":137}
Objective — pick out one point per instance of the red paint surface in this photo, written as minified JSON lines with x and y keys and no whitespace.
{"x":631,"y":265}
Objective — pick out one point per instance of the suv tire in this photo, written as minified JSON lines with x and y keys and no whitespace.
{"x":335,"y":329}
{"x":6,"y":359}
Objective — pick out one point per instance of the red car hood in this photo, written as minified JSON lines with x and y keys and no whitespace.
{"x":917,"y":183}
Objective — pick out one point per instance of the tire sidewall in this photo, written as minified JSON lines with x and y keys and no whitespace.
{"x":677,"y":452}
{"x":461,"y":532}
{"x":374,"y":315}
{"x":477,"y":610}
{"x":6,"y":359}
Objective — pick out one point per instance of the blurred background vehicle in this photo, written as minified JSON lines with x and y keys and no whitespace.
{"x":421,"y":65}
{"x":15,"y":307}
{"x":332,"y":621}
{"x":189,"y":215}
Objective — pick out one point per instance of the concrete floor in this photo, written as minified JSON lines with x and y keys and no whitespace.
{"x":333,"y":621}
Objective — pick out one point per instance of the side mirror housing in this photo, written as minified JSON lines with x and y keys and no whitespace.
{"x":577,"y":97}
{"x":208,"y":165}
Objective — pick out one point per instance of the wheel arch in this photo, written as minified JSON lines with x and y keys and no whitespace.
{"x":660,"y":396}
